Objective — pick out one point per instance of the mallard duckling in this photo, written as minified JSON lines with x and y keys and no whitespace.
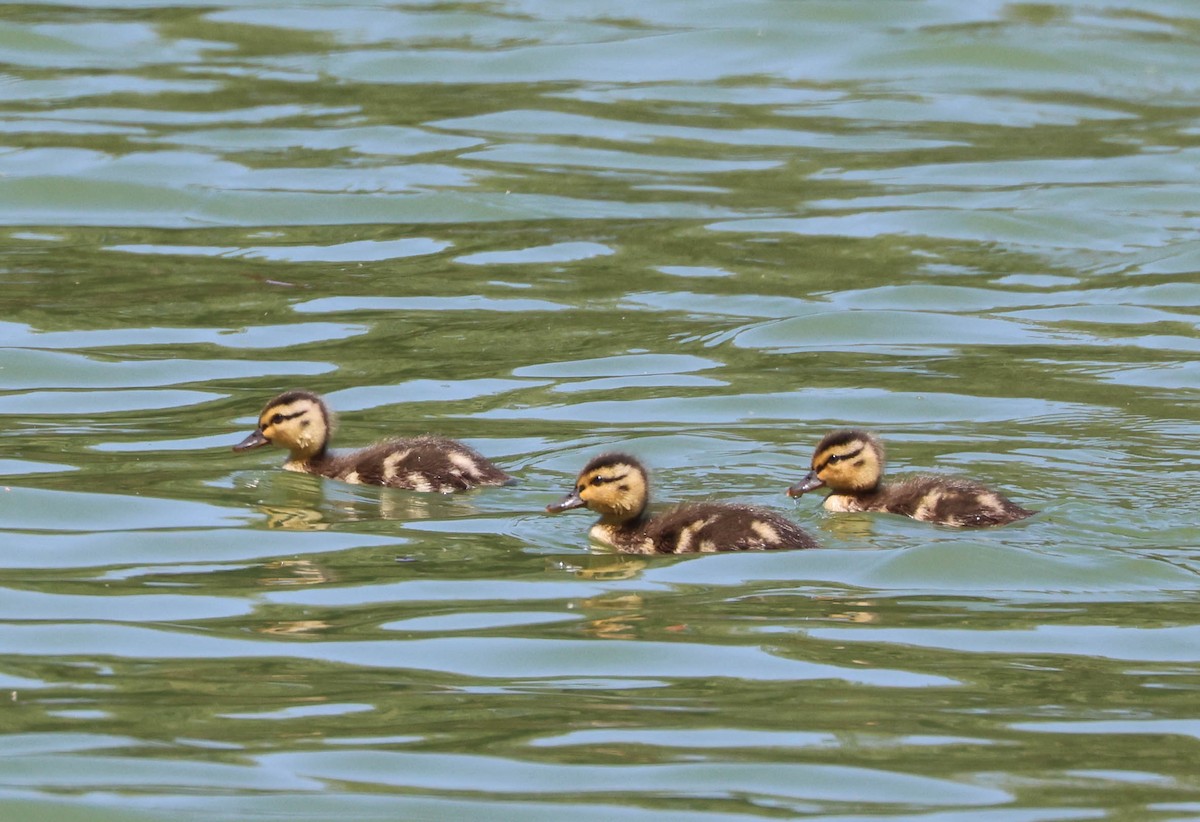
{"x":850,"y":464}
{"x":617,"y":488}
{"x":300,"y":422}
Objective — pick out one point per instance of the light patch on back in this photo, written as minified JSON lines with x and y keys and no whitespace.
{"x":465,"y":463}
{"x":926,"y":508}
{"x":766,"y":531}
{"x":391,"y":463}
{"x":417,"y":481}
{"x":991,"y":501}
{"x":353,"y":478}
{"x":683,"y":544}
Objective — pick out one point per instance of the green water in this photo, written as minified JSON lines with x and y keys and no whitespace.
{"x":704,"y":232}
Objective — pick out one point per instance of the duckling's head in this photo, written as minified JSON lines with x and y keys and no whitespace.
{"x":847,"y":462}
{"x":296,"y":420}
{"x":615,"y":486}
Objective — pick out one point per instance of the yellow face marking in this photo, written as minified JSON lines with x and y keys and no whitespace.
{"x":853,"y":466}
{"x":298,"y":426}
{"x":615,"y":491}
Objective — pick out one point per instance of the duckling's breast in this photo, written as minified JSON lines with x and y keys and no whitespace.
{"x":843,"y":504}
{"x":626,"y":538}
{"x":299,"y":466}
{"x":603,"y":534}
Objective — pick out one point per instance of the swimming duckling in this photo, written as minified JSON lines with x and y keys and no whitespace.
{"x":616,"y":487}
{"x":300,"y":422}
{"x":850,"y":464}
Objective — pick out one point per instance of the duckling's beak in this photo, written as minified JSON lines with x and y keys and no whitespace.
{"x":810,"y":482}
{"x":571,"y":500}
{"x":255,"y":440}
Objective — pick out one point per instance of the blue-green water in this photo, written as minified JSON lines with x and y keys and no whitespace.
{"x":705,"y":232}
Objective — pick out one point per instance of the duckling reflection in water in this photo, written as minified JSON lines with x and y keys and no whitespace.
{"x":301,"y":422}
{"x":616,"y":487}
{"x":850,"y":464}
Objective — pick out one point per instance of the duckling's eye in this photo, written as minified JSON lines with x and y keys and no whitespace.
{"x":275,"y":420}
{"x":834,"y":458}
{"x":598,"y":480}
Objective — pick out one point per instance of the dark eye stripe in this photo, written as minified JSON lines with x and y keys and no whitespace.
{"x":278,"y":418}
{"x":602,"y":480}
{"x":837,"y":458}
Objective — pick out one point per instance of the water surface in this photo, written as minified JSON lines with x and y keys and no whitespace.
{"x":705,"y":232}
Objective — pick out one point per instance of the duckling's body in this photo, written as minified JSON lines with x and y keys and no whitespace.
{"x":300,"y":422}
{"x":850,"y":464}
{"x":616,"y":486}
